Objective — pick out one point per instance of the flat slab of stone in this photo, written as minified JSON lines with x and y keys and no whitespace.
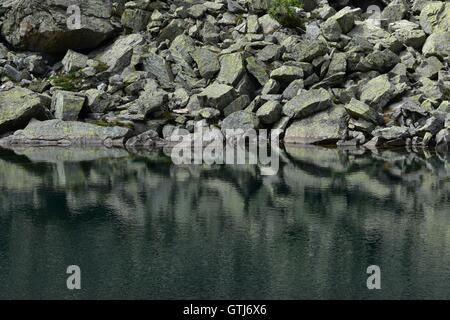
{"x":66,"y":133}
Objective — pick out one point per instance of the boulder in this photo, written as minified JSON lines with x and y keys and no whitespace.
{"x":240,"y":120}
{"x":231,"y":68}
{"x":437,"y":44}
{"x":325,"y":127}
{"x":257,"y":70}
{"x":159,"y":68}
{"x":269,"y":113}
{"x":46,"y":26}
{"x":74,"y":61}
{"x":18,"y":106}
{"x":147,"y":139}
{"x":435,"y":17}
{"x":67,"y":105}
{"x":287,"y":74}
{"x":217,"y":96}
{"x":66,"y":133}
{"x":207,"y":62}
{"x":360,"y":110}
{"x":307,"y":103}
{"x":118,"y":55}
{"x":377,"y":92}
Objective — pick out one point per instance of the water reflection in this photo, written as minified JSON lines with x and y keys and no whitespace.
{"x":140,"y":227}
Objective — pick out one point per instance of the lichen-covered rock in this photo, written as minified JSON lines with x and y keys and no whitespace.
{"x":307,"y":103}
{"x":159,"y":68}
{"x":240,"y":120}
{"x":66,"y":133}
{"x":45,"y":25}
{"x":217,"y":96}
{"x":325,"y":127}
{"x":231,"y":68}
{"x":67,"y":105}
{"x":257,"y":70}
{"x":437,"y":44}
{"x":207,"y":62}
{"x":118,"y":55}
{"x":377,"y":92}
{"x":361,"y":110}
{"x":287,"y":74}
{"x":18,"y":106}
{"x":74,"y":61}
{"x":270,"y":112}
{"x":408,"y":33}
{"x":435,"y":17}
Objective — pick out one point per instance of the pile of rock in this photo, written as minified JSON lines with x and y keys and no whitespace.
{"x":346,"y":78}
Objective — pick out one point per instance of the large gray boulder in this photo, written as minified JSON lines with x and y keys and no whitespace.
{"x":307,"y":103}
{"x":66,"y":133}
{"x":18,"y":106}
{"x":325,"y":127}
{"x":46,"y":25}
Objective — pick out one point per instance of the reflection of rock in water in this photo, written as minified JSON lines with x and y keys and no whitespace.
{"x":327,"y":210}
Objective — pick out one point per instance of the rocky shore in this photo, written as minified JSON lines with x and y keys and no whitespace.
{"x":140,"y":73}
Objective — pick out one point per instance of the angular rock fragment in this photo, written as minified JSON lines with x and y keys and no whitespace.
{"x":377,"y":92}
{"x":240,"y":120}
{"x":325,"y":127}
{"x":360,"y":110}
{"x":307,"y":103}
{"x":67,"y":105}
{"x":270,"y":112}
{"x":217,"y":96}
{"x":18,"y":106}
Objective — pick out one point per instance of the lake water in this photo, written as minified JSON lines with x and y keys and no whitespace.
{"x":140,"y":227}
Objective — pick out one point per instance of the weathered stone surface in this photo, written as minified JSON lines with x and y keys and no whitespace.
{"x":118,"y":55}
{"x":268,"y":24}
{"x":287,"y":74}
{"x":435,"y":17}
{"x":395,"y":11}
{"x":361,"y":110}
{"x":429,"y":68}
{"x":322,"y":128}
{"x":74,"y":61}
{"x":257,"y":70}
{"x":391,"y":133}
{"x":231,"y":68}
{"x":217,"y":96}
{"x":308,"y":50}
{"x":135,"y":19}
{"x":147,"y":139}
{"x":240,"y":120}
{"x":307,"y":103}
{"x":238,"y":104}
{"x":292,"y":89}
{"x":42,"y":25}
{"x":66,"y":133}
{"x":67,"y":105}
{"x":408,"y":33}
{"x":377,"y":92}
{"x":207,"y":62}
{"x":17,"y":107}
{"x":270,"y":112}
{"x":346,"y":18}
{"x":160,"y":69}
{"x":152,"y":99}
{"x":97,"y":101}
{"x":437,"y":44}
